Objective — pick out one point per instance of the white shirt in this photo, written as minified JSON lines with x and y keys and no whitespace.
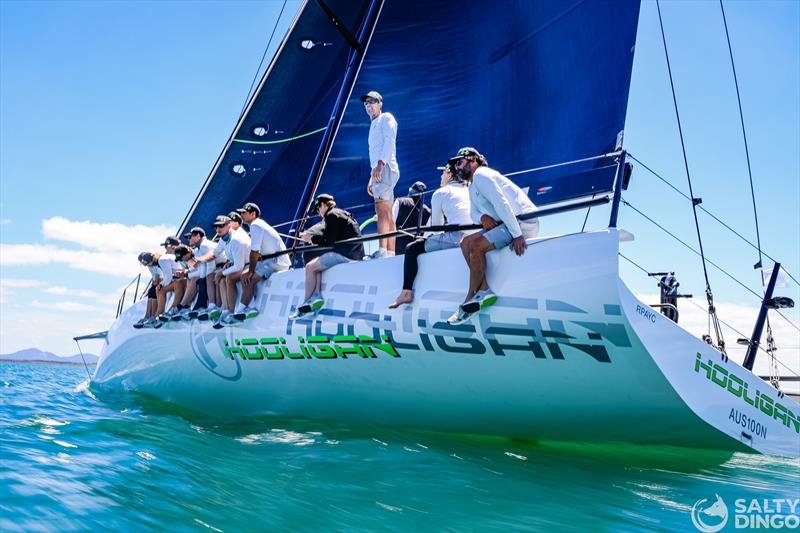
{"x":238,"y":250}
{"x":155,"y":272}
{"x":450,"y":205}
{"x":201,"y":270}
{"x":168,"y":267}
{"x":382,"y":141}
{"x":495,"y":195}
{"x":265,"y":240}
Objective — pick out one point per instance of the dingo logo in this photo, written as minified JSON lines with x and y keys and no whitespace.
{"x":717,"y":511}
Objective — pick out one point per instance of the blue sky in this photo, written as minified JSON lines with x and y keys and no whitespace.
{"x":114,"y":113}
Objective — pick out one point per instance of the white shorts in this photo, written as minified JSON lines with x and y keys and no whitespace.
{"x":384,"y":189}
{"x":500,"y":237}
{"x":268,"y":267}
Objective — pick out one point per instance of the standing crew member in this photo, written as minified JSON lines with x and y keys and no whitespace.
{"x":383,"y":162}
{"x":495,"y":203}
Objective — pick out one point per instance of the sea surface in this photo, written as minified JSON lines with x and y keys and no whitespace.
{"x":70,"y":461}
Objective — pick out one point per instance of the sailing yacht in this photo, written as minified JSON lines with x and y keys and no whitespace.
{"x":566,"y":353}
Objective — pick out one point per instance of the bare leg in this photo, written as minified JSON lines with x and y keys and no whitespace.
{"x":312,"y":281}
{"x":477,"y":267}
{"x":152,"y":306}
{"x":222,"y":287}
{"x":385,"y":223}
{"x":230,"y":284}
{"x":249,"y":289}
{"x":179,"y":286}
{"x":191,"y":292}
{"x":211,"y":285}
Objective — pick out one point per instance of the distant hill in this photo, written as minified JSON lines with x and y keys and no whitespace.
{"x":35,"y":355}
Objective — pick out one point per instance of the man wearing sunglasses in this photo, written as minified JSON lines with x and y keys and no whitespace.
{"x":385,"y":172}
{"x":495,"y":203}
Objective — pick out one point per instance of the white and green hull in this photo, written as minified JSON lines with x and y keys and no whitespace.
{"x":566,"y":353}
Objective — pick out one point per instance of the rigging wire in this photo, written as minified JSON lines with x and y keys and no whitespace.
{"x":631,"y":261}
{"x":665,"y":230}
{"x":709,"y":213}
{"x":264,"y":55}
{"x":695,"y":201}
{"x":759,"y":265}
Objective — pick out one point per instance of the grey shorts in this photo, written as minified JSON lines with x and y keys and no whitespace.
{"x":268,"y":267}
{"x":443,"y":241}
{"x":500,"y":237}
{"x":384,"y":189}
{"x":331,"y":259}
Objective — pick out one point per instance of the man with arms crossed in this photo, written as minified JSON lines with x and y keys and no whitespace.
{"x":385,"y":172}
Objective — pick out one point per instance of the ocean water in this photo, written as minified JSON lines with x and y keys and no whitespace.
{"x":72,"y":462}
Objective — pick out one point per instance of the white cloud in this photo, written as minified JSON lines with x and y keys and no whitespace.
{"x":111,"y":263}
{"x":64,"y":306}
{"x":99,"y":297}
{"x":20,"y":283}
{"x":108,"y":237}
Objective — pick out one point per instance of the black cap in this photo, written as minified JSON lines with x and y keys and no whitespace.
{"x":235,"y":217}
{"x":196,"y":229}
{"x":372,"y":94}
{"x":250,"y":207}
{"x":322,"y":199}
{"x":467,"y":151}
{"x":146,"y":258}
{"x":417,"y":189}
{"x":221,"y":220}
{"x":182,"y":251}
{"x":171,"y":241}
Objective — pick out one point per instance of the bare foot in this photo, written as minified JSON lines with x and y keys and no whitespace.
{"x":406,"y":297}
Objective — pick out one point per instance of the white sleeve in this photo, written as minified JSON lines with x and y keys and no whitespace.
{"x":389,"y":136}
{"x":490,"y":190}
{"x":239,"y":251}
{"x":256,"y":236}
{"x":437,"y":214}
{"x":167,"y":267}
{"x":219,"y":249}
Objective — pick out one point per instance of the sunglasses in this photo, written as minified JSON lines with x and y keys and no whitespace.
{"x":369,"y":101}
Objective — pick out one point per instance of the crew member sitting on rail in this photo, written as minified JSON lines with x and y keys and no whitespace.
{"x":338,"y":226}
{"x":495,"y":203}
{"x":169,"y":283}
{"x":264,"y":240}
{"x":220,"y":258}
{"x":197,"y":282}
{"x":450,"y":205}
{"x":150,"y":261}
{"x":408,"y":213}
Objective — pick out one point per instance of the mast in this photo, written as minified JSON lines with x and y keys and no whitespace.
{"x":359,"y":47}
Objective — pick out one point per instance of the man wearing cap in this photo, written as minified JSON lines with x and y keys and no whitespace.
{"x":385,"y":173}
{"x":449,"y":205}
{"x":338,"y":225}
{"x":217,"y":294}
{"x":409,"y":212}
{"x":169,"y":267}
{"x":495,"y":203}
{"x":196,"y":284}
{"x":264,"y":240}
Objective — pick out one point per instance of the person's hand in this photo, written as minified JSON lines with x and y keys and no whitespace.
{"x":192,"y":262}
{"x":488,"y":222}
{"x":369,"y":188}
{"x":306,"y":237}
{"x":376,"y":172}
{"x":246,"y":277}
{"x":519,"y":245}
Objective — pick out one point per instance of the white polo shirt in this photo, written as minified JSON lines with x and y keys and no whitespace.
{"x":265,"y":240}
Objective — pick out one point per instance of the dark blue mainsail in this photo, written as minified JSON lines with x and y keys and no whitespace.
{"x":527,"y":82}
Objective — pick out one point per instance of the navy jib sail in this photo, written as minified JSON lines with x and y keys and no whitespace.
{"x":529,"y":83}
{"x":270,"y":153}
